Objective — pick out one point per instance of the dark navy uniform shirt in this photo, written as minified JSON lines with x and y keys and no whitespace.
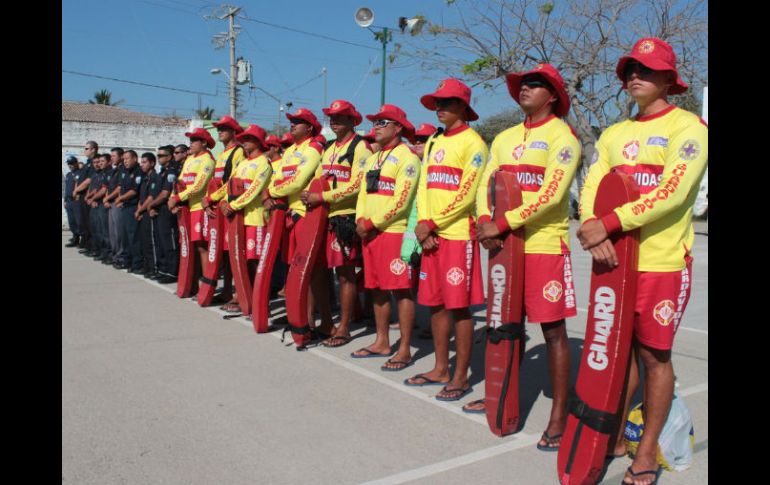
{"x":115,"y":177}
{"x":70,"y":180}
{"x":131,"y":180}
{"x":150,"y":186}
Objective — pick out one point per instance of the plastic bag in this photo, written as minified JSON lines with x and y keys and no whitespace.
{"x":676,"y":441}
{"x":409,"y":244}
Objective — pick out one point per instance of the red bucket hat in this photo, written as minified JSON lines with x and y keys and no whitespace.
{"x":255,"y":131}
{"x":201,"y":133}
{"x":450,"y":88}
{"x":655,"y":54}
{"x":394,"y":113}
{"x":272,"y":141}
{"x":287,"y":140}
{"x":228,"y":122}
{"x":307,"y":116}
{"x":345,"y":108}
{"x":551,"y":76}
{"x":425,"y":129}
{"x":370,"y":136}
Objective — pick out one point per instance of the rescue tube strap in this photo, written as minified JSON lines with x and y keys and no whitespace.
{"x":596,"y":419}
{"x":509,"y":331}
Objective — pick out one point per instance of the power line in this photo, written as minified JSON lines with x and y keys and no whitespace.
{"x":141,"y":83}
{"x":320,"y":36}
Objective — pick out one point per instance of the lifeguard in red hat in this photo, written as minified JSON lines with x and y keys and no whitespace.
{"x":545,"y":154}
{"x":343,"y":159}
{"x":227,"y":128}
{"x":382,"y":210}
{"x":450,"y":271}
{"x":665,"y":149}
{"x":196,"y":172}
{"x":421,"y":135}
{"x":297,"y":166}
{"x":254,"y":171}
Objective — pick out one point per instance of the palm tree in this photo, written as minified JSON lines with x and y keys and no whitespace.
{"x":205,"y":113}
{"x":103,"y":96}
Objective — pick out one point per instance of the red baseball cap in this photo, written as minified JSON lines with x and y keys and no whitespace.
{"x":345,"y":108}
{"x":370,"y":136}
{"x":450,"y":88}
{"x":394,"y":113}
{"x":656,"y":54}
{"x":255,"y":131}
{"x":228,"y":122}
{"x":201,"y":133}
{"x":425,"y":129}
{"x":272,"y":141}
{"x":287,"y":140}
{"x":551,"y":76}
{"x":307,"y":116}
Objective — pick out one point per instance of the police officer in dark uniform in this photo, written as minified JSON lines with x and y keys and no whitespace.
{"x":113,"y":213}
{"x":101,"y":210}
{"x":87,"y":172}
{"x":70,"y":204}
{"x":128,"y":199}
{"x":167,"y":230}
{"x":149,"y":189}
{"x":97,"y":189}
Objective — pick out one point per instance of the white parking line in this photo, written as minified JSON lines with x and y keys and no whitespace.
{"x":520,"y":441}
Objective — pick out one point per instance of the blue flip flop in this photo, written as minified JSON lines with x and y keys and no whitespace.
{"x":645,"y":472}
{"x":428,"y":381}
{"x":368,"y":355}
{"x":549,"y":439}
{"x":401,"y":365}
{"x":475,"y":411}
{"x":463,"y":392}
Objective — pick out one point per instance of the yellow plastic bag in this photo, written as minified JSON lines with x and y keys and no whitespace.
{"x":676,"y":441}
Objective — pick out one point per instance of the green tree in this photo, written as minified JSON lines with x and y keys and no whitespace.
{"x":104,"y":96}
{"x":490,"y":127}
{"x":205,"y":113}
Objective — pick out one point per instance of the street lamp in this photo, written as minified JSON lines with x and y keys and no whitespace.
{"x":365,"y":17}
{"x":231,"y":84}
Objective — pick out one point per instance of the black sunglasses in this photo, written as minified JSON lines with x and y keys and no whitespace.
{"x":445,"y":102}
{"x":534,"y":83}
{"x":632,"y":67}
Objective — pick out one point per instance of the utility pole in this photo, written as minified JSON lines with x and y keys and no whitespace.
{"x":221,"y":13}
{"x":324,"y":72}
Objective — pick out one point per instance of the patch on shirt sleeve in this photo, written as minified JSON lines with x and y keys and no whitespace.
{"x":566,"y":155}
{"x":689,"y":150}
{"x":477,"y":160}
{"x":540,"y":145}
{"x":658,"y":140}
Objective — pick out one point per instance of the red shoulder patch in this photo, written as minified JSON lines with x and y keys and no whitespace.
{"x":411,"y":149}
{"x":367,"y":145}
{"x":319,"y":148}
{"x":703,"y":122}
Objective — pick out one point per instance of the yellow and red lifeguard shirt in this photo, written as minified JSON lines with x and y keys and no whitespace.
{"x":297,"y":166}
{"x":255,"y":174}
{"x":349,"y":175}
{"x":544,"y":156}
{"x":196,"y":173}
{"x":666,"y":153}
{"x":450,"y":176}
{"x":219,"y":168}
{"x":388,"y":208}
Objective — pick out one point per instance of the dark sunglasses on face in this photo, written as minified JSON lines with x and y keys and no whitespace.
{"x":444,"y":102}
{"x":534,"y":83}
{"x":297,"y":122}
{"x":179,"y":153}
{"x":196,"y":139}
{"x":637,"y":67}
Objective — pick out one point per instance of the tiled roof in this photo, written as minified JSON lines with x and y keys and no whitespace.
{"x":101,"y":113}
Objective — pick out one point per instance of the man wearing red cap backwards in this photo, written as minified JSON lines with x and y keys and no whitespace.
{"x":255,"y":172}
{"x":382,"y":210}
{"x":196,"y":173}
{"x":344,"y":158}
{"x":227,"y":161}
{"x":544,"y":154}
{"x":666,"y":150}
{"x":421,"y":136}
{"x":450,"y":271}
{"x":297,"y":167}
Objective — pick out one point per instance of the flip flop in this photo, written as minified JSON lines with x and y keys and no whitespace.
{"x":332,"y":341}
{"x":231,"y":307}
{"x":474,"y":411}
{"x":368,"y":355}
{"x":401,"y":365}
{"x":645,"y":472}
{"x":428,"y":381}
{"x":462,"y":392}
{"x":549,"y":439}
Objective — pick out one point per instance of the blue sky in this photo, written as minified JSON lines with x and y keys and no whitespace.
{"x":168,"y":43}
